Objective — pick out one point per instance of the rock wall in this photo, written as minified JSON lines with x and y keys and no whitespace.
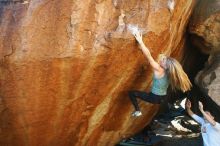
{"x":208,"y":79}
{"x":205,"y":26}
{"x":205,"y":30}
{"x":66,"y":67}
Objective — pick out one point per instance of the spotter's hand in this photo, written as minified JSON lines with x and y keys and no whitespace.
{"x":200,"y":105}
{"x":188,"y":104}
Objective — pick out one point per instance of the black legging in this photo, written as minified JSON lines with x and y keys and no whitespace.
{"x":148,"y":97}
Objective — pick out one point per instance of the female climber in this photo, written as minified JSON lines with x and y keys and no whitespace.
{"x":166,"y":71}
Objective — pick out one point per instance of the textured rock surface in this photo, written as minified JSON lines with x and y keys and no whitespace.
{"x":209,"y":78}
{"x":205,"y":25}
{"x":66,"y":67}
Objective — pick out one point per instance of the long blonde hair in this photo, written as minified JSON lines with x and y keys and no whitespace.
{"x":178,"y":78}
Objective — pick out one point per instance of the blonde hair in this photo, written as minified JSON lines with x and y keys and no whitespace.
{"x":178,"y":78}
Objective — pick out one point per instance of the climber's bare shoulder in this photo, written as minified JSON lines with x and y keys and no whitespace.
{"x":159,"y":73}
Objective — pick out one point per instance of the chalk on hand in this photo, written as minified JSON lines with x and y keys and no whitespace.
{"x":133,"y":29}
{"x":171,"y":4}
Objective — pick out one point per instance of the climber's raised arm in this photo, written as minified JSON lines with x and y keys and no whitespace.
{"x":147,"y":53}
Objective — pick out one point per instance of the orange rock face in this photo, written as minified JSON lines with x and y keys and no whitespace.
{"x":66,"y":67}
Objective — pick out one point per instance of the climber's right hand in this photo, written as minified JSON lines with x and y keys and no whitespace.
{"x":138,"y":37}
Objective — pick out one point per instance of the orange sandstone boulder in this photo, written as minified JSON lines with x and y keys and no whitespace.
{"x":66,"y":67}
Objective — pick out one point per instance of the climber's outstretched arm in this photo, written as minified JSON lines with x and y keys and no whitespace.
{"x":147,"y":53}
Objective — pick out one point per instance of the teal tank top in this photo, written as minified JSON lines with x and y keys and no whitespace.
{"x":160,"y":85}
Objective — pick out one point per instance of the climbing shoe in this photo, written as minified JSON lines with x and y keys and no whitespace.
{"x":136,"y":114}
